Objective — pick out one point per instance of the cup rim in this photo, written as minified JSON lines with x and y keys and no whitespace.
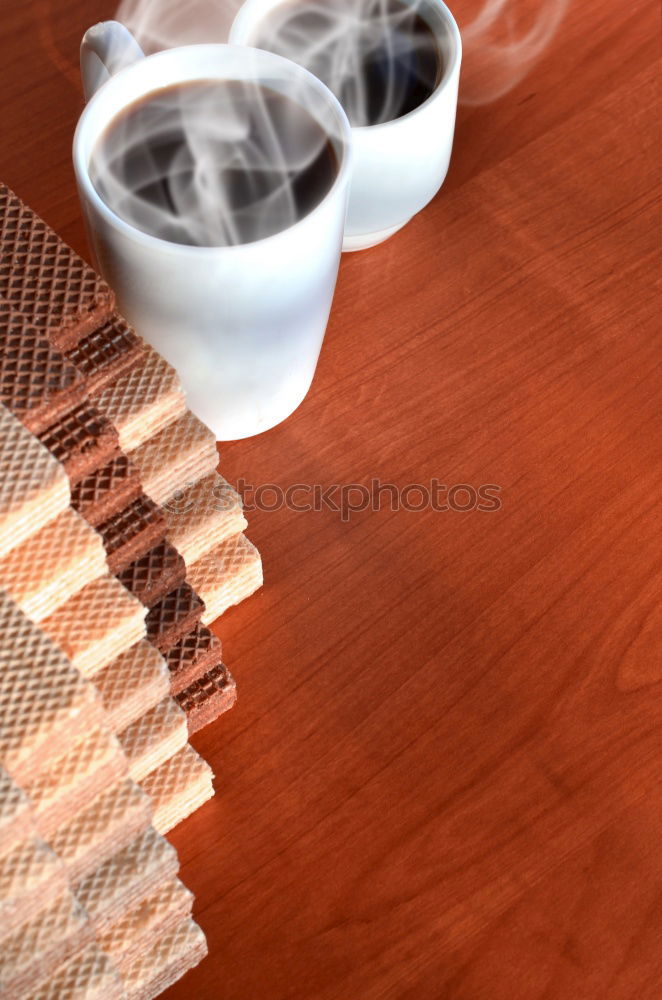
{"x":89,"y":192}
{"x":241,"y":28}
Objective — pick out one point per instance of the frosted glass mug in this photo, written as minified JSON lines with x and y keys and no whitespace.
{"x":243,"y":325}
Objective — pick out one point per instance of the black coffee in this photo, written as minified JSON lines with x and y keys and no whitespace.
{"x":379,"y":57}
{"x":213,"y":163}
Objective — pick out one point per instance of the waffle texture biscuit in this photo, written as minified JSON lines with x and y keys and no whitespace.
{"x":165,"y":962}
{"x":47,"y":568}
{"x":203,"y":515}
{"x":129,"y":876}
{"x":173,"y":617}
{"x":97,"y":625}
{"x":31,"y":877}
{"x":106,"y":491}
{"x":154,"y":738}
{"x":34,"y":488}
{"x":154,"y":574}
{"x":106,"y":353}
{"x":43,"y":279}
{"x":46,"y":704}
{"x":178,"y":787}
{"x":37,"y":383}
{"x":132,"y":532}
{"x":15,"y":815}
{"x":132,"y":684}
{"x":135,"y":930}
{"x":208,"y":698}
{"x":226,"y":576}
{"x":190,"y":658}
{"x":144,"y":401}
{"x":179,"y":455}
{"x":82,"y":440}
{"x":89,"y":975}
{"x":38,"y":947}
{"x":106,"y":825}
{"x":93,"y":764}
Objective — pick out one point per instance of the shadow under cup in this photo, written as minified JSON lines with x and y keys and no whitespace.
{"x":242,"y":324}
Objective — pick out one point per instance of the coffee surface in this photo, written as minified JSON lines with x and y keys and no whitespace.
{"x":213,"y":163}
{"x":379,"y":57}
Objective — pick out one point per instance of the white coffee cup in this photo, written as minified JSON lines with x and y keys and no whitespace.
{"x":243,"y":325}
{"x":398,"y":166}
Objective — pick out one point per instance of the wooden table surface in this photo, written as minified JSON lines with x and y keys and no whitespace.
{"x":443,"y":777}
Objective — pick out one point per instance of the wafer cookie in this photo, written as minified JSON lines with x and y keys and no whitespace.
{"x":202,"y":516}
{"x":105,"y":826}
{"x":208,"y":698}
{"x":82,"y":440}
{"x":154,"y":574}
{"x":190,"y":658}
{"x":173,"y":617}
{"x":34,"y":488}
{"x":49,"y":938}
{"x":174,"y":458}
{"x":165,"y":962}
{"x":137,"y":928}
{"x":178,"y":787}
{"x":226,"y":576}
{"x":37,"y":383}
{"x":129,"y":876}
{"x":31,"y":877}
{"x":144,"y":401}
{"x":46,"y":569}
{"x":89,"y":975}
{"x":154,"y":738}
{"x":106,"y":354}
{"x":132,"y":532}
{"x":96,"y":625}
{"x":106,"y":491}
{"x":132,"y":684}
{"x":46,"y":704}
{"x":15,"y":815}
{"x":43,"y":279}
{"x":93,"y":764}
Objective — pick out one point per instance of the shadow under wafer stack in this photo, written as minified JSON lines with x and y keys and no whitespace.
{"x":82,"y":797}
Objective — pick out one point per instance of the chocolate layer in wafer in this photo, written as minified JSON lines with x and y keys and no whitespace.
{"x":155,"y":574}
{"x":106,"y":491}
{"x":173,"y":617}
{"x":83,"y":440}
{"x":132,"y":532}
{"x":37,"y":383}
{"x":106,"y":353}
{"x":44,"y":280}
{"x":208,"y":698}
{"x":192,"y":657}
{"x":34,"y":488}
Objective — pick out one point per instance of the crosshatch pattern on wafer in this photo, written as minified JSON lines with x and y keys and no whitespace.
{"x":106,"y":353}
{"x":178,"y":787}
{"x":226,"y":575}
{"x":106,"y":491}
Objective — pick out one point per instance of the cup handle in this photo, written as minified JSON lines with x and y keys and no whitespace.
{"x":105,"y":49}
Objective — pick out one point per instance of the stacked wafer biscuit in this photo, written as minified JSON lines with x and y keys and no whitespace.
{"x":109,"y":491}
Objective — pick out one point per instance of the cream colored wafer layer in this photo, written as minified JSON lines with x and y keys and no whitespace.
{"x":32,"y":877}
{"x":226,"y":575}
{"x":154,"y":738}
{"x":111,"y":821}
{"x":179,"y":455}
{"x":46,"y":569}
{"x":49,"y":938}
{"x":15,"y":814}
{"x":97,"y":625}
{"x":129,"y":876}
{"x":136,"y":929}
{"x":165,"y":962}
{"x":93,"y":764}
{"x":132,"y":684}
{"x":143,"y":402}
{"x":178,"y":787}
{"x":89,"y":975}
{"x":46,"y":705}
{"x":202,"y":516}
{"x":34,"y":488}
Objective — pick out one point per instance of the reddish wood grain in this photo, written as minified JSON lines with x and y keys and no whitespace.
{"x":443,"y":777}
